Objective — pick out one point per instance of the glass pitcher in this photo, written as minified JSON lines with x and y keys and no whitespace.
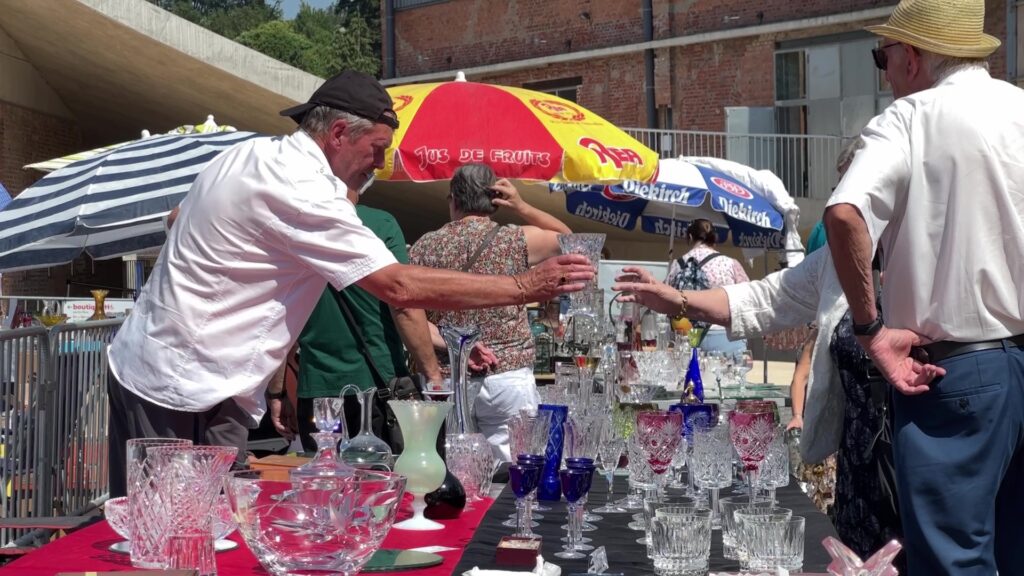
{"x":366,"y":450}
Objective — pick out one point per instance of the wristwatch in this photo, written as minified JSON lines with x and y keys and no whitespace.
{"x":277,"y":395}
{"x":869,"y":329}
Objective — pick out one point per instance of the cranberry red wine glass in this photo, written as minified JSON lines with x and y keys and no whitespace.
{"x":751,"y":434}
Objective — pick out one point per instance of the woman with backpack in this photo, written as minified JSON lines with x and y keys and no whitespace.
{"x":702,"y":268}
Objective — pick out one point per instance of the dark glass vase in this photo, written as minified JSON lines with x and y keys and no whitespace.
{"x":447,"y":501}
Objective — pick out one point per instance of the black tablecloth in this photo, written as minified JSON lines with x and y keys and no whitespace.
{"x":625,"y":555}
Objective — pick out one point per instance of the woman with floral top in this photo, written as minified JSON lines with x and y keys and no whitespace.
{"x":719,"y":269}
{"x":507,"y":385}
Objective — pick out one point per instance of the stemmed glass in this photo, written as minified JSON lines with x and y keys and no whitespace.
{"x":537,"y":460}
{"x":610,"y":450}
{"x":523,"y":479}
{"x":711,"y":462}
{"x":575,"y":484}
{"x":751,"y":434}
{"x":660,"y":435}
{"x":585,"y":517}
{"x":774,"y":471}
{"x":743,"y":363}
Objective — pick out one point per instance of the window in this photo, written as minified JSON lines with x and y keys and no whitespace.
{"x":790,"y":75}
{"x":566,"y":88}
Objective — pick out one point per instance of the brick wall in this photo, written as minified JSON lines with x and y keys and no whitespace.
{"x":480,"y":32}
{"x":698,"y":81}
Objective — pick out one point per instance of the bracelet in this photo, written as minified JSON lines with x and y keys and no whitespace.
{"x":682,"y":307}
{"x":522,"y":291}
{"x":277,"y":395}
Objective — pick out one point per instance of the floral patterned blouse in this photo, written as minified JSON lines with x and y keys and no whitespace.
{"x":504,"y":329}
{"x":721,"y":271}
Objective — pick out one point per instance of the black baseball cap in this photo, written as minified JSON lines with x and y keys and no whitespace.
{"x":353,"y":92}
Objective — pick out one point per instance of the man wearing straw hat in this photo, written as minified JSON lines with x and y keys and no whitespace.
{"x":939,"y":186}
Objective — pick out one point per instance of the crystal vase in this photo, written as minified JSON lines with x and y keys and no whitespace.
{"x":420,"y":462}
{"x":99,"y":297}
{"x":460,"y":341}
{"x":550,"y":487}
{"x":467,"y":451}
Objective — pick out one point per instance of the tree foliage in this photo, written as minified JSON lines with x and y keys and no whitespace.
{"x":319,"y":41}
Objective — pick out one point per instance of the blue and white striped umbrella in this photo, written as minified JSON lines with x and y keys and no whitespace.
{"x":108,"y":205}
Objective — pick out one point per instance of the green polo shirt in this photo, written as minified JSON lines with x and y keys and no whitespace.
{"x":329,"y":357}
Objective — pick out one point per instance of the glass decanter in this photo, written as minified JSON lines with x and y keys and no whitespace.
{"x":366,"y":450}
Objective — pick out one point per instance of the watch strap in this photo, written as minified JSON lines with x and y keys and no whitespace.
{"x":869,"y":329}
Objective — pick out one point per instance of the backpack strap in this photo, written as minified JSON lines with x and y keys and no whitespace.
{"x":708,"y":258}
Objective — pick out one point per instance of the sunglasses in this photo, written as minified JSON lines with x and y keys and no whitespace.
{"x":881,"y":58}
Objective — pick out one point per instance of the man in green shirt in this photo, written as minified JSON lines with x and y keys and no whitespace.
{"x":329,"y":356}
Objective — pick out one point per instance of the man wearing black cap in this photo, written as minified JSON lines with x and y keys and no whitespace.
{"x":265,"y":225}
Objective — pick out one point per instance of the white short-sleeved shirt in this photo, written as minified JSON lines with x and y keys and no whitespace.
{"x":264,"y":227}
{"x":940,"y":183}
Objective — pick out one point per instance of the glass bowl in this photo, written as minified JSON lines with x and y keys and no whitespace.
{"x":326,"y":524}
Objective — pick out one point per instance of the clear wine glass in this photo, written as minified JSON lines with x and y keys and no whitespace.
{"x":610,"y":450}
{"x":774,"y":472}
{"x":743,"y":362}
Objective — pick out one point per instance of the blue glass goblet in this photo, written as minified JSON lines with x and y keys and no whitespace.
{"x":538,"y":460}
{"x":575,"y":483}
{"x":584,"y":463}
{"x":531,"y":498}
{"x":523,"y":479}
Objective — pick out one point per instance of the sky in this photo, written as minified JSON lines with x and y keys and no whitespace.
{"x":291,"y":7}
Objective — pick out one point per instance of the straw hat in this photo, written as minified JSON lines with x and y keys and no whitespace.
{"x":947,"y":27}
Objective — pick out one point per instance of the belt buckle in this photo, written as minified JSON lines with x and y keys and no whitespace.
{"x":920,"y":354}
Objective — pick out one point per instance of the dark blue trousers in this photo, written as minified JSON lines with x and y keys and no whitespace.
{"x":959,"y":451}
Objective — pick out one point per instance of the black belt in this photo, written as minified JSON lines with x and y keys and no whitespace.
{"x":939,"y":351}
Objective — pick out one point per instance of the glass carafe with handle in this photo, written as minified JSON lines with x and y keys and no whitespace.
{"x":466,"y":450}
{"x":366,"y":450}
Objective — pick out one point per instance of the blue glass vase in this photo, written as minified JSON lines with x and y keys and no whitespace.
{"x":696,"y":415}
{"x":550,"y":488}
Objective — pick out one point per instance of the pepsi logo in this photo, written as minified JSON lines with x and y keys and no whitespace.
{"x":607,"y":193}
{"x":732,"y":188}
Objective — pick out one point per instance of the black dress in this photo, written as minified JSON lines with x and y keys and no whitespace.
{"x":865,"y":511}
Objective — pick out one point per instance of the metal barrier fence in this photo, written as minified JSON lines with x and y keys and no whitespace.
{"x":805,"y":163}
{"x":53,"y":410}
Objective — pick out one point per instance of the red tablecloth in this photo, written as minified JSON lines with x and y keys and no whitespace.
{"x":86,"y":550}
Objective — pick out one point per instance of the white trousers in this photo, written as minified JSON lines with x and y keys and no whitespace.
{"x":501,"y":396}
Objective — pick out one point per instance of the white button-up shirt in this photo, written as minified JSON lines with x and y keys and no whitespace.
{"x":264,"y":227}
{"x":940,"y":183}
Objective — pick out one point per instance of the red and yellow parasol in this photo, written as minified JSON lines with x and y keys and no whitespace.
{"x":520,"y":133}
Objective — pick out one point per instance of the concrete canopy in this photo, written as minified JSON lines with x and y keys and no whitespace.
{"x":121,"y":66}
